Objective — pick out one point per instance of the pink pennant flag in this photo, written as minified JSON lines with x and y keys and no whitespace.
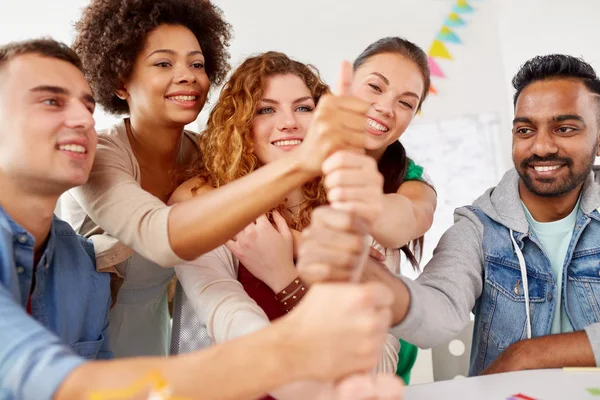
{"x":434,"y":68}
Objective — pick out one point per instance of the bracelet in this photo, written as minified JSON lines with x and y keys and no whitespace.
{"x":293,"y":301}
{"x":290,"y":289}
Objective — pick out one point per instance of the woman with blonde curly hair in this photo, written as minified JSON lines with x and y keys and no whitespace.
{"x":262,"y":114}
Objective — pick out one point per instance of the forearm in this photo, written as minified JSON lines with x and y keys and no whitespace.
{"x":399,"y":222}
{"x":202,"y":223}
{"x":259,"y":362}
{"x":555,"y":351}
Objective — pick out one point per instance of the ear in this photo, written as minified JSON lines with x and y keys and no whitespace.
{"x":598,"y":149}
{"x":122,"y":92}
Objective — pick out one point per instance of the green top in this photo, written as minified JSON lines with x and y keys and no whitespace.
{"x":414,"y":172}
{"x":407,"y":355}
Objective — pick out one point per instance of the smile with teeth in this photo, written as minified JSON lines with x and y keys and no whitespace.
{"x":377,"y":126}
{"x":546,"y":168}
{"x":283,"y":143}
{"x":75,"y":148}
{"x":182,"y":98}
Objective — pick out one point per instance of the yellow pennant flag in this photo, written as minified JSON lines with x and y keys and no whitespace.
{"x":438,"y":49}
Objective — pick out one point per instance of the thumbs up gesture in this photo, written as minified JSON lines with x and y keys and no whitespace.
{"x":352,"y":178}
{"x":339,"y":123}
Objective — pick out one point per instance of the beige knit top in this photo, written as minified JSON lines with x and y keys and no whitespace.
{"x":115,"y":212}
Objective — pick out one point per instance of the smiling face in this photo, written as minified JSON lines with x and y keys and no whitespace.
{"x":282,"y":117}
{"x":168,"y":83}
{"x":47,"y":135}
{"x":555,"y":136}
{"x":393,"y":85}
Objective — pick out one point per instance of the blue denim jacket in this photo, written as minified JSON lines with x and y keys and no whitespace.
{"x":476,"y":267}
{"x":500,"y":315}
{"x":70,"y":305}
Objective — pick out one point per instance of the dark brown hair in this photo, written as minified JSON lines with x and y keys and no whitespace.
{"x":111,"y":33}
{"x":394,"y":162}
{"x":46,"y":47}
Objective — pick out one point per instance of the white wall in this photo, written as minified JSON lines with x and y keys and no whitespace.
{"x":324,"y":32}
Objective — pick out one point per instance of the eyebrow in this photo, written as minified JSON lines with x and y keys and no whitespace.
{"x":522,"y":120}
{"x":387,"y":82}
{"x":568,"y":117}
{"x":173,"y":52}
{"x":299,"y":100}
{"x":86,"y":97}
{"x":556,"y":118}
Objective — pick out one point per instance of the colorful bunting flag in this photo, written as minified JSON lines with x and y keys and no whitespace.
{"x":438,"y":49}
{"x":446,"y":35}
{"x":434,"y":68}
{"x":462,"y":7}
{"x":454,"y":20}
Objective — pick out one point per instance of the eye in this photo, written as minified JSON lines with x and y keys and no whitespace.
{"x":266,"y":110}
{"x":566,"y":129}
{"x":375,"y":87}
{"x":304,"y":109}
{"x":198,"y":65}
{"x":163,"y":64}
{"x":523,"y":131}
{"x":407,"y":104}
{"x":51,"y":102}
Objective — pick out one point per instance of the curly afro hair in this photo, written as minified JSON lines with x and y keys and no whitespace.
{"x":111,"y":33}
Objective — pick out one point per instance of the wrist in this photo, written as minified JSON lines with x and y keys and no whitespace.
{"x":291,"y":344}
{"x":291,"y":295}
{"x":521,"y":355}
{"x":298,"y":165}
{"x":288,"y":274}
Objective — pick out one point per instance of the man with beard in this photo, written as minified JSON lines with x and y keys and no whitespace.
{"x":525,"y":257}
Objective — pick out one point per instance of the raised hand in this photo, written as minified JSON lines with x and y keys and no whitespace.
{"x":339,"y":123}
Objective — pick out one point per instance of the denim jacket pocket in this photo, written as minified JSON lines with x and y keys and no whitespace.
{"x":506,"y":300}
{"x":583,"y":289}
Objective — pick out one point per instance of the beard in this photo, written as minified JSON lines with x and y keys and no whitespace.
{"x":555,"y":187}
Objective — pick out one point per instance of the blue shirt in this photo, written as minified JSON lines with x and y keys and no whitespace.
{"x":555,"y":237}
{"x":69,"y":304}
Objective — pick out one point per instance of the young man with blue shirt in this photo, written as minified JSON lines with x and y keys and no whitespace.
{"x":54,"y":305}
{"x":525,"y":257}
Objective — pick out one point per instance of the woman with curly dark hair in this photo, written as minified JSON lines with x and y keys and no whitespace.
{"x":154,"y":62}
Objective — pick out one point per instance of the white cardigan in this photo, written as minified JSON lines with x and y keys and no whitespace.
{"x":218,"y":298}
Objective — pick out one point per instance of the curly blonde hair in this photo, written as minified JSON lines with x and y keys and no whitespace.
{"x":227,"y":145}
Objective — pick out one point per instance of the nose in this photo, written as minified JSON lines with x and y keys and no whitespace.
{"x":287,"y":122}
{"x":384,"y":106}
{"x":184,"y":74}
{"x":544,"y":143}
{"x":78,"y":116}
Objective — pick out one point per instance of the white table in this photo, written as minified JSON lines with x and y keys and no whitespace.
{"x":552,"y":384}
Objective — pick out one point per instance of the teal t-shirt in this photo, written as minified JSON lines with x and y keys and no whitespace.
{"x":555,"y":238}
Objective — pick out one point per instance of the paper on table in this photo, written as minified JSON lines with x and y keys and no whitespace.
{"x":520,"y":396}
{"x":594,"y":391}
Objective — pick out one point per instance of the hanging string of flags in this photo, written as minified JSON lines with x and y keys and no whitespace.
{"x":446,"y":35}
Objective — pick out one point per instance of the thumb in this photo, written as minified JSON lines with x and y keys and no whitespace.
{"x":345,"y":79}
{"x":282,"y":225}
